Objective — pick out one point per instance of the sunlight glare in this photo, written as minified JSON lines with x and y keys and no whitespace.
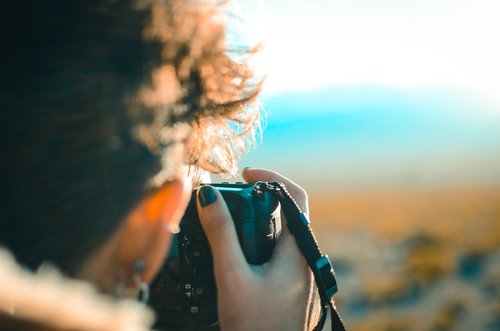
{"x":438,"y":44}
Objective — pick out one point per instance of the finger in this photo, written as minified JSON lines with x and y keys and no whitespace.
{"x":288,"y":260}
{"x":286,"y":247}
{"x":252,"y":175}
{"x":221,"y":233}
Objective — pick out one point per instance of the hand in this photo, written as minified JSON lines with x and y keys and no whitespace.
{"x":274,"y":296}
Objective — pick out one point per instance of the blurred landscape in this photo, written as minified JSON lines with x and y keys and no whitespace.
{"x":404,"y":191}
{"x":414,"y":260}
{"x":362,"y":137}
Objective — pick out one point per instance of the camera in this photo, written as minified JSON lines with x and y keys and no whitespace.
{"x":183,"y":294}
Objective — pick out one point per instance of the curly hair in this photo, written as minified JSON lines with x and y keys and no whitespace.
{"x":204,"y":82}
{"x":102,"y":101}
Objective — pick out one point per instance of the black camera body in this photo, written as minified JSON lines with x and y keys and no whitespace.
{"x":184,"y":293}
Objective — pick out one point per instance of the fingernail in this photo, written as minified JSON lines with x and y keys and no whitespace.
{"x":207,"y":195}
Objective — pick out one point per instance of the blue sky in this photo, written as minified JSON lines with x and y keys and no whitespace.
{"x":375,"y":137}
{"x":379,"y":93}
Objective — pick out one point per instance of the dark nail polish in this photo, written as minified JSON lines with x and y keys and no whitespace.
{"x":207,"y":195}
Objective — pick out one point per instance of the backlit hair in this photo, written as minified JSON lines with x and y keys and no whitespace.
{"x":102,"y":101}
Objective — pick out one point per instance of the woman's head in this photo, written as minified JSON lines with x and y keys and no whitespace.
{"x":102,"y":103}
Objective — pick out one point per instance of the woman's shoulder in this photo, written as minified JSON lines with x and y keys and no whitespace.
{"x":47,"y":300}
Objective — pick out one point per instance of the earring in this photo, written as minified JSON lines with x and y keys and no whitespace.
{"x":143,"y":288}
{"x":172,"y":228}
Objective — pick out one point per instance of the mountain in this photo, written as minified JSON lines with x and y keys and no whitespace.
{"x":362,"y":137}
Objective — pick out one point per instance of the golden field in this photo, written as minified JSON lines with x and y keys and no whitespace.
{"x":423,"y":260}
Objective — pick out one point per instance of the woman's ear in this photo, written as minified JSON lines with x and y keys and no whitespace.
{"x":148,"y":230}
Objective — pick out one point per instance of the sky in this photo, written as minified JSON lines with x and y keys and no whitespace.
{"x":366,"y":94}
{"x":403,"y":44}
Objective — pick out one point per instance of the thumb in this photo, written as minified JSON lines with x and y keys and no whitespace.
{"x":221,"y":233}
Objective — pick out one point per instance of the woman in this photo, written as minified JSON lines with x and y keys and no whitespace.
{"x":103,"y":103}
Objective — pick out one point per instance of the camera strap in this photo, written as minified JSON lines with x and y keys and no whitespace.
{"x":324,"y":275}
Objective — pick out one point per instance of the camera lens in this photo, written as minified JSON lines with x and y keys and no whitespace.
{"x":198,"y":253}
